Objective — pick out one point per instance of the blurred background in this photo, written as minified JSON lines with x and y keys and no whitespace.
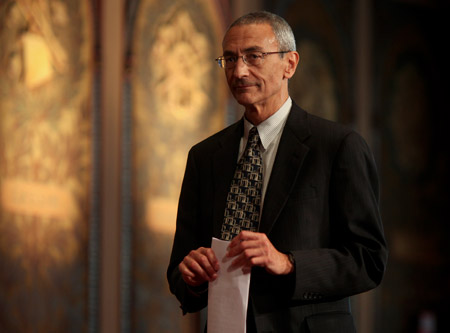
{"x":101,"y":100}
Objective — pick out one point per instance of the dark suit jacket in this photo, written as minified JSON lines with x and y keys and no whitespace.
{"x":321,"y":204}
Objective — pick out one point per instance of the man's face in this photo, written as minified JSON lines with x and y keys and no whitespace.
{"x":264,"y":85}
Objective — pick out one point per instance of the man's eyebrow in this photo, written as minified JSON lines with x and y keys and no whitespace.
{"x":253,"y":49}
{"x":228,"y":53}
{"x":247,"y":50}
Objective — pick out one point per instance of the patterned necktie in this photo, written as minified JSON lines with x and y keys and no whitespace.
{"x":244,"y":198}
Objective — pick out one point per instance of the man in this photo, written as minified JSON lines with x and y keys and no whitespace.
{"x":318,"y":237}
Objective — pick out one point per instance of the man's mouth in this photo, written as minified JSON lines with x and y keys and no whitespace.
{"x":239,"y":85}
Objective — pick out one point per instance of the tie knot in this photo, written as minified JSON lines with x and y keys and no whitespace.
{"x":253,"y":136}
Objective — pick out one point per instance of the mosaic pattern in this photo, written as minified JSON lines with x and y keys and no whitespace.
{"x":244,"y":198}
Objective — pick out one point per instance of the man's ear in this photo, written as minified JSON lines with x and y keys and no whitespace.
{"x":292,"y":59}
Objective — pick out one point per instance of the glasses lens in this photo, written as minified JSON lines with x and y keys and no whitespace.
{"x":221,"y":62}
{"x":253,"y":58}
{"x":250,"y":59}
{"x":229,"y":61}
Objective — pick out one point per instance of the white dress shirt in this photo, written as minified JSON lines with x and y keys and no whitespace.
{"x":270,"y":131}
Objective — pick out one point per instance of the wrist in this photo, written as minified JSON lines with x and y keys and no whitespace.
{"x":291,"y":260}
{"x":198,"y":290}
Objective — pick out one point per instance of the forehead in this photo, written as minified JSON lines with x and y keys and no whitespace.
{"x":249,"y":36}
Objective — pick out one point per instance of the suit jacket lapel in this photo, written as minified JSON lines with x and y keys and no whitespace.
{"x":290,"y":155}
{"x":224,"y":164}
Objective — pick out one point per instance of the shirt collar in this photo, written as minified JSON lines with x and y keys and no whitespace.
{"x":270,"y":127}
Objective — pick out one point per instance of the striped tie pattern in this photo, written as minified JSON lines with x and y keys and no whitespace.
{"x":244,"y":198}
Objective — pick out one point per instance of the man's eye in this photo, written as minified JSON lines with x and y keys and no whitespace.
{"x":230,"y":59}
{"x":253,"y":56}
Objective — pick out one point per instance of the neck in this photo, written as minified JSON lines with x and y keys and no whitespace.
{"x":257,"y":113}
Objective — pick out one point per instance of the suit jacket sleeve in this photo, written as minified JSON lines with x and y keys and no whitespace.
{"x":330,"y":222}
{"x":355,"y":259}
{"x":188,"y":236}
{"x":210,"y":167}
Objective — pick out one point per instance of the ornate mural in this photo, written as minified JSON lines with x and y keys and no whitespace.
{"x":45,"y":164}
{"x":178,"y":99}
{"x":322,"y":84}
{"x":409,"y":126}
{"x":413,"y":166}
{"x":314,"y":84}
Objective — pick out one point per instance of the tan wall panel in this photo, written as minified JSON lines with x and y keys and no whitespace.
{"x":178,"y":98}
{"x":45,"y":164}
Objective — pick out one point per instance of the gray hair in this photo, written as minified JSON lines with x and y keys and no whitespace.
{"x":281,"y":29}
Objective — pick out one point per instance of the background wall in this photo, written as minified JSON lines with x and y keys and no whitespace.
{"x":410,"y":87}
{"x":101,"y":100}
{"x":177,"y":98}
{"x":46,"y":164}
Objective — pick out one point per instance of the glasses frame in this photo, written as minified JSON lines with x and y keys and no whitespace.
{"x":222,"y":63}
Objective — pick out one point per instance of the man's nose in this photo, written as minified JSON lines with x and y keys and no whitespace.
{"x":241,"y":68}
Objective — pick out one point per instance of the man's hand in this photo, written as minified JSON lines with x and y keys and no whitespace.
{"x":199,"y":266}
{"x":255,"y":249}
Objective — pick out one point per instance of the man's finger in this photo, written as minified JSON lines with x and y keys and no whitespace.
{"x":209,"y":253}
{"x":207,"y":261}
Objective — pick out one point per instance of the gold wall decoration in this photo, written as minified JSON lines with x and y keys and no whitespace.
{"x":314,"y":84}
{"x":323,"y":82}
{"x":409,"y":120}
{"x":180,"y":63}
{"x":45,"y":163}
{"x":178,"y":98}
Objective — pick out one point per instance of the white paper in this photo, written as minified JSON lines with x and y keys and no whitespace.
{"x":228,"y":294}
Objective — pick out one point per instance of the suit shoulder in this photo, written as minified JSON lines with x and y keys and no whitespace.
{"x":305,"y":122}
{"x":337,"y":135}
{"x":332,"y":130}
{"x":327,"y":127}
{"x":319,"y":132}
{"x":212,"y":142}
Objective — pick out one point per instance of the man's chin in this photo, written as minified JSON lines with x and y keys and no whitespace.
{"x":243,"y":99}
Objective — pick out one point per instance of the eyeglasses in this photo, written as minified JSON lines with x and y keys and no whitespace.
{"x":250,"y":59}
